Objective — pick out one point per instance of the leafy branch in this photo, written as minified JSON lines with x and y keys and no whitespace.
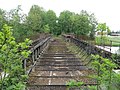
{"x":13,"y":76}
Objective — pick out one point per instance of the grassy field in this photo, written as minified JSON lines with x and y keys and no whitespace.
{"x":114,"y":38}
{"x":107,"y":40}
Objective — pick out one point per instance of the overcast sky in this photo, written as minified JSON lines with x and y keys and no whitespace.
{"x":105,"y":10}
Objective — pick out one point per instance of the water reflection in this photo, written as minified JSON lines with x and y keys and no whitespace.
{"x":118,"y":51}
{"x":115,"y":50}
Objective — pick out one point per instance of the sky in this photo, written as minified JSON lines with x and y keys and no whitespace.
{"x":106,"y":11}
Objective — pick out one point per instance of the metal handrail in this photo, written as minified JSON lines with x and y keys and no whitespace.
{"x":36,"y":51}
{"x":89,"y":48}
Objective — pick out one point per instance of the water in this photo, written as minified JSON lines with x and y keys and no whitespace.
{"x":115,"y":50}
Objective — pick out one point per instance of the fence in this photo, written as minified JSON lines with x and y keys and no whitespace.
{"x":36,"y":50}
{"x":92,"y":49}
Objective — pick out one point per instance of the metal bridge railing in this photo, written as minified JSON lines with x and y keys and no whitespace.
{"x":91,"y":49}
{"x":36,"y":51}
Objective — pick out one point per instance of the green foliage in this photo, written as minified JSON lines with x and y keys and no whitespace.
{"x":46,"y":29}
{"x":116,"y":81}
{"x":2,"y":18}
{"x":104,"y":68}
{"x":16,"y":19}
{"x":73,"y":83}
{"x":11,"y":56}
{"x":93,"y":24}
{"x":50,"y":19}
{"x":64,"y":21}
{"x":92,"y":87}
{"x":80,"y":24}
{"x":103,"y":27}
{"x":34,"y":19}
{"x":27,"y":25}
{"x":38,"y":18}
{"x":114,"y":38}
{"x":105,"y":41}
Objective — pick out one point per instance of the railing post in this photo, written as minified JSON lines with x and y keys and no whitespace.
{"x":40,"y":49}
{"x":33,"y":57}
{"x":25,"y":66}
{"x":36,"y":51}
{"x":110,"y":45}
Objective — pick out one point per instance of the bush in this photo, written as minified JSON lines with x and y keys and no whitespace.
{"x":11,"y":56}
{"x":102,"y":41}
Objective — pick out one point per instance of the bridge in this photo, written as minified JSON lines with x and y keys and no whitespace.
{"x":52,"y":65}
{"x":93,"y":49}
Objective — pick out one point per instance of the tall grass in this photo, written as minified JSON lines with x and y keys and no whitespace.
{"x":108,"y":40}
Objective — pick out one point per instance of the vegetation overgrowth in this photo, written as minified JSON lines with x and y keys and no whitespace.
{"x":105,"y":76}
{"x":38,"y":20}
{"x":108,"y":41}
{"x":12,"y":75}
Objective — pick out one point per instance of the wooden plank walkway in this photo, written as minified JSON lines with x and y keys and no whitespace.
{"x":56,"y":67}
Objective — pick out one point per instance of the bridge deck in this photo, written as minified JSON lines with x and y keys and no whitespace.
{"x":56,"y":67}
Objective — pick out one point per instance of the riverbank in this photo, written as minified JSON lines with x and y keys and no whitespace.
{"x":113,"y":41}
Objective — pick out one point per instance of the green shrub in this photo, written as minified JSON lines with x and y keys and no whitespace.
{"x":11,"y":56}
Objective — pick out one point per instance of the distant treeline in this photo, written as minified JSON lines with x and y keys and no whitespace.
{"x":38,"y":20}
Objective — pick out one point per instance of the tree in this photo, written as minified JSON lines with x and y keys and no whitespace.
{"x":46,"y":28}
{"x":64,"y":22}
{"x":2,"y":18}
{"x":34,"y":19}
{"x":16,"y":19}
{"x":93,"y":23}
{"x":11,"y":55}
{"x":82,"y":24}
{"x":102,"y":27}
{"x":51,"y":20}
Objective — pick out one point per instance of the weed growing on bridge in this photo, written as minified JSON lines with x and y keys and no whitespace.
{"x":73,"y":84}
{"x":79,"y":52}
{"x":105,"y":75}
{"x":11,"y":56}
